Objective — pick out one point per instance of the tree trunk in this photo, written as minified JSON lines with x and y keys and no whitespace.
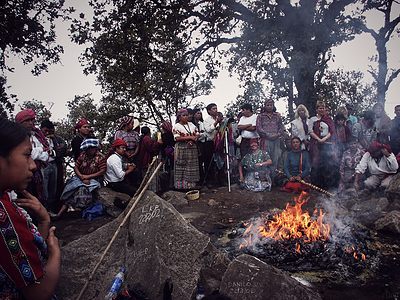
{"x":382,"y":70}
{"x":304,"y":81}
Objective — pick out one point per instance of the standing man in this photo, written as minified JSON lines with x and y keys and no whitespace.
{"x":247,"y":127}
{"x":395,"y":131}
{"x":270,"y":128}
{"x":211,"y":125}
{"x":53,"y":173}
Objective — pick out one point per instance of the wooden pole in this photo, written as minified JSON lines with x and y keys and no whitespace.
{"x":118,"y":230}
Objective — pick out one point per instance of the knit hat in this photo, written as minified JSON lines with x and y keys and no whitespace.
{"x":90,"y":143}
{"x":119,"y":142}
{"x":81,"y":122}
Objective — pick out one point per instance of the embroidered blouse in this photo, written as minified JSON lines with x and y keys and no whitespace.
{"x":22,"y":250}
{"x":188,"y":129}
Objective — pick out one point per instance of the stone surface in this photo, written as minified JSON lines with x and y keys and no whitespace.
{"x":177,"y":199}
{"x":392,"y":193}
{"x":248,"y":278}
{"x":108,"y":196}
{"x":370,"y":210}
{"x":390,"y":223}
{"x":155,"y":244}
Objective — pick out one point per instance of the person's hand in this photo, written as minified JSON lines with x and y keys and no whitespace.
{"x":292,"y":179}
{"x":241,"y":179}
{"x":356,"y":186}
{"x":53,"y":245}
{"x":385,"y":152}
{"x":31,"y":203}
{"x":298,"y":177}
{"x":86,"y":181}
{"x":259,"y":165}
{"x":131,"y":167}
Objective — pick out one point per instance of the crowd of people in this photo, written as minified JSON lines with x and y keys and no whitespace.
{"x":257,"y":151}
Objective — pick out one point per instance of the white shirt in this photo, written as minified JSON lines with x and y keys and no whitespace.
{"x":246,"y":134}
{"x":202,"y":133}
{"x":209,"y":128}
{"x":114,"y":173}
{"x":297,"y":129}
{"x":386,"y":165}
{"x":38,"y":152}
{"x":184,"y":130}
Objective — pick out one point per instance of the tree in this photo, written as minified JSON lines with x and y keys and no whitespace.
{"x":383,"y":75}
{"x":339,"y":88}
{"x":42,"y":112}
{"x":28,"y":32}
{"x":162,"y":46}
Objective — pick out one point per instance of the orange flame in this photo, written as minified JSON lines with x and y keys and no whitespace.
{"x":294,"y":223}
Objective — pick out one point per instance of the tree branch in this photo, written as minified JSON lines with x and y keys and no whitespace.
{"x":392,"y":77}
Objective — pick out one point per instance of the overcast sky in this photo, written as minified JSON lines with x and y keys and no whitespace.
{"x":65,"y":80}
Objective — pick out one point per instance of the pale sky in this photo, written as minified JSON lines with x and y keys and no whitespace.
{"x":65,"y":80}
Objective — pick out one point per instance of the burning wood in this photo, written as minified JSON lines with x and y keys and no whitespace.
{"x":292,"y":223}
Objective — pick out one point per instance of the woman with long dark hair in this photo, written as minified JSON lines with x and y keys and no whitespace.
{"x":29,"y":254}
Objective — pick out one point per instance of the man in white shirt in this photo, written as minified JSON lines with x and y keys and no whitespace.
{"x":381,"y":164}
{"x":247,"y":126}
{"x":211,"y":125}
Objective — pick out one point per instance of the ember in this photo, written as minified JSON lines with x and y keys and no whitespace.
{"x":292,"y":224}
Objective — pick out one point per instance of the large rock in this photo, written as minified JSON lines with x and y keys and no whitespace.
{"x":108,"y":197}
{"x":156,"y":244}
{"x":392,"y":193}
{"x":248,"y":278}
{"x":177,"y":199}
{"x":390,"y":223}
{"x":368,"y":211}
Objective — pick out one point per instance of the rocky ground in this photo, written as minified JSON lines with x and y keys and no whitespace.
{"x":218,"y":211}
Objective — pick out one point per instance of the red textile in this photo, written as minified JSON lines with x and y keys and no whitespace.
{"x":119,"y":142}
{"x":81,"y":122}
{"x":19,"y":256}
{"x":24,"y":115}
{"x":294,"y":187}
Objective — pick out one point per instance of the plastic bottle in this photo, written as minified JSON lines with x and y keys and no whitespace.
{"x":116,"y":285}
{"x":200,"y":292}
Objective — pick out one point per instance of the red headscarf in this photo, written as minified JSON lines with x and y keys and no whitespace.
{"x":81,"y":123}
{"x":119,"y":142}
{"x":376,"y":146}
{"x":24,"y":115}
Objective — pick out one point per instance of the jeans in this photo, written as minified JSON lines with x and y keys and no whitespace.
{"x":50,"y":183}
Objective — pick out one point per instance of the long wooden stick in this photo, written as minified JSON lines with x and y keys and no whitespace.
{"x":118,"y":230}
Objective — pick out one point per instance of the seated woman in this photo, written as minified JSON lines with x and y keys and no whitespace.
{"x":297,"y":167}
{"x":117,"y":171}
{"x":29,"y":255}
{"x":256,"y":176}
{"x":89,"y":168}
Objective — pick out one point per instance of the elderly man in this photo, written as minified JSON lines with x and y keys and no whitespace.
{"x":381,"y":164}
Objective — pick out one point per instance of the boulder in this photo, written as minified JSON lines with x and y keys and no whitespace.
{"x":368,"y":211}
{"x":108,"y":197}
{"x":392,"y":193}
{"x":248,"y":278}
{"x":177,"y":199}
{"x":390,"y":223}
{"x":155,"y":245}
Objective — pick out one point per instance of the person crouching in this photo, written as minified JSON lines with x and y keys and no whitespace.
{"x":117,"y":171}
{"x":381,"y":164}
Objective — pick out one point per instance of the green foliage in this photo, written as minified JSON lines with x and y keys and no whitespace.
{"x":151,"y":56}
{"x":42,"y":112}
{"x":339,"y":88}
{"x":28,"y":32}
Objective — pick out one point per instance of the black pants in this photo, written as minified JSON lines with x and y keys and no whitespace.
{"x":122,"y":187}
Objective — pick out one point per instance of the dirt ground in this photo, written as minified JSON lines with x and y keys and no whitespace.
{"x":218,"y":210}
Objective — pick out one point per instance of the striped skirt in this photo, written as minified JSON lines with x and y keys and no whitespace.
{"x":186,"y":167}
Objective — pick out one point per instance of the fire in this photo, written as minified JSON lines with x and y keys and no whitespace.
{"x":293,"y":223}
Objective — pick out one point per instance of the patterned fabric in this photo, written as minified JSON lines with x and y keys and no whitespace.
{"x":123,"y":121}
{"x":131,"y":138}
{"x":90,"y":165}
{"x":256,"y":179}
{"x":364,"y":135}
{"x":348,"y":165}
{"x":90,"y":143}
{"x":186,"y":168}
{"x":22,"y":250}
